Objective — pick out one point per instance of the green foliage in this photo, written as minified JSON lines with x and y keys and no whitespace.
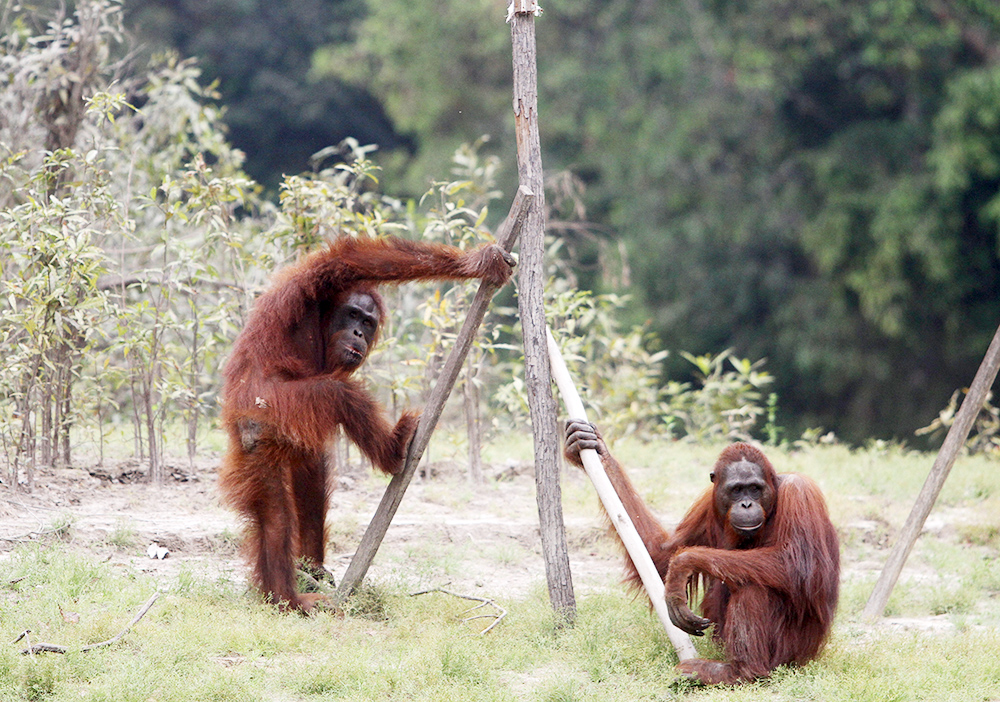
{"x":369,"y":601}
{"x":814,"y":183}
{"x":115,"y":241}
{"x":56,"y":201}
{"x":615,"y":372}
{"x":621,"y":378}
{"x":984,"y":436}
{"x":51,"y":306}
{"x":279,"y":110}
{"x":335,"y":200}
{"x":965,"y":134}
{"x":456,"y":211}
{"x":726,"y":405}
{"x":397,"y":54}
{"x":133,"y":262}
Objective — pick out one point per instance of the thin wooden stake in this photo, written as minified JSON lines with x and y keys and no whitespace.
{"x":506,"y":237}
{"x":531,"y":304}
{"x":616,"y":510}
{"x":953,"y":443}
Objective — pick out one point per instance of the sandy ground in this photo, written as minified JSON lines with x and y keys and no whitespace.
{"x":479,"y":540}
{"x":475,"y":540}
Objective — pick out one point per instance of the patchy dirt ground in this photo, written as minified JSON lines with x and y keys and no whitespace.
{"x":480,"y":540}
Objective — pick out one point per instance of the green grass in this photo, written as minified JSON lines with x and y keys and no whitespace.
{"x":208,"y":640}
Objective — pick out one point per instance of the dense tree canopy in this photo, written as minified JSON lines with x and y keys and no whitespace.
{"x":815,"y":183}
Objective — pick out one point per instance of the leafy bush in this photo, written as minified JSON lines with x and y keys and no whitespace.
{"x":615,"y":372}
{"x":726,"y":404}
{"x":621,"y":378}
{"x":133,"y":251}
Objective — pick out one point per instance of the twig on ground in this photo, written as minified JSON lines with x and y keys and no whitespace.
{"x":483,"y":602}
{"x":30,"y":508}
{"x":55,"y":648}
{"x":28,"y":538}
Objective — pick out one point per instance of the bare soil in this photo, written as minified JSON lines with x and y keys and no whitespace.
{"x":480,"y":540}
{"x":475,"y":539}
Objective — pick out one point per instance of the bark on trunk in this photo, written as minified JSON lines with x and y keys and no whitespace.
{"x":531,"y":278}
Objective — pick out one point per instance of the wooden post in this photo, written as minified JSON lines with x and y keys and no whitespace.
{"x":616,"y":510}
{"x":372,"y":539}
{"x":531,"y":272}
{"x":953,"y":443}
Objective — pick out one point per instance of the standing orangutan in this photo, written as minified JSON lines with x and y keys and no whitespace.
{"x":760,"y":545}
{"x":288,"y":386}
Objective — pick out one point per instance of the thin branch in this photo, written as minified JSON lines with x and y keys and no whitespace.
{"x":483,"y":602}
{"x":54,"y":648}
{"x":114,"y":281}
{"x":27,"y":538}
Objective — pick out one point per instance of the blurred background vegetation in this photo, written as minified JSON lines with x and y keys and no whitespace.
{"x":811,"y":185}
{"x":811,"y":182}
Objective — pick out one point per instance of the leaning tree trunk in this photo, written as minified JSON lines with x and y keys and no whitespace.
{"x":976,"y":397}
{"x":506,"y":237}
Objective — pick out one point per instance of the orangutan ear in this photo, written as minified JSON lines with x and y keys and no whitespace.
{"x":711,"y":476}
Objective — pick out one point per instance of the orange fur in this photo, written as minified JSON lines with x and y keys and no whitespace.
{"x":773,"y":599}
{"x":282,"y":378}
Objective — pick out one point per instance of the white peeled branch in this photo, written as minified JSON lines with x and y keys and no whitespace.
{"x":616,"y":510}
